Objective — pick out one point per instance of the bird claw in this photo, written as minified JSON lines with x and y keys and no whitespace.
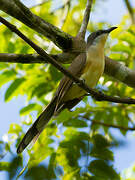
{"x":81,"y":79}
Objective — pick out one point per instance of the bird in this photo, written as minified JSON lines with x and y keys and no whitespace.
{"x":89,"y":66}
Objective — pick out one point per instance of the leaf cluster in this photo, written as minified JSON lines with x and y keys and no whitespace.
{"x":73,"y":145}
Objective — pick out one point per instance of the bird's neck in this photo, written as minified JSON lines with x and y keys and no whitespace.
{"x":96,"y":52}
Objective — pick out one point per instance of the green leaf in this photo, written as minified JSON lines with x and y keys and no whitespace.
{"x":37,"y":172}
{"x":3,"y":65}
{"x":4,"y":166}
{"x":15,"y":165}
{"x":13,"y":88}
{"x":128,"y":37}
{"x":64,"y":116}
{"x":11,"y":47}
{"x":31,"y":107}
{"x":73,"y":134}
{"x":75,"y":123}
{"x":41,"y":89}
{"x":100,"y":141}
{"x":24,"y":49}
{"x":118,"y":57}
{"x":51,"y":166}
{"x":15,"y":129}
{"x":102,"y":153}
{"x":121,"y":47}
{"x":102,"y":170}
{"x":100,"y":150}
{"x":7,"y":76}
{"x":122,"y":120}
{"x":56,"y":75}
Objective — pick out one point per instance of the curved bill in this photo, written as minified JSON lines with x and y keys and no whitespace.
{"x":110,"y":29}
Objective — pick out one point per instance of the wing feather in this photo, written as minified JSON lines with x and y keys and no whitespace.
{"x":75,"y":68}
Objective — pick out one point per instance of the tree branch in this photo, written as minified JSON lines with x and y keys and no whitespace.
{"x":112,"y":68}
{"x":97,"y":95}
{"x":65,"y":10}
{"x":63,"y":40}
{"x":22,"y":58}
{"x":84,"y":24}
{"x":120,"y":72}
{"x":16,"y":9}
{"x":130,"y":10}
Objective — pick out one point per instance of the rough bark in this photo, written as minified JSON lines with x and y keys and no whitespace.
{"x":113,"y":68}
{"x":19,"y":11}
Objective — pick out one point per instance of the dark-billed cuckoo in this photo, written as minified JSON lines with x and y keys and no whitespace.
{"x":89,"y":66}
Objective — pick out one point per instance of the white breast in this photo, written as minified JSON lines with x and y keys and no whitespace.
{"x":94,"y":67}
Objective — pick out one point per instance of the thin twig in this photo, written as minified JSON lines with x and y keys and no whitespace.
{"x":99,"y":96}
{"x":130,"y":10}
{"x":112,"y":125}
{"x":106,"y":124}
{"x":83,"y":27}
{"x":65,"y":11}
{"x":22,"y":171}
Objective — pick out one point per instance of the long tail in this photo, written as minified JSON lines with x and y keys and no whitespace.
{"x":38,"y":126}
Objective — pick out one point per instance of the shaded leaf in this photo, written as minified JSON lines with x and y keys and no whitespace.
{"x":100,"y":141}
{"x":14,"y":166}
{"x":102,"y":153}
{"x":37,"y":172}
{"x":103,"y":170}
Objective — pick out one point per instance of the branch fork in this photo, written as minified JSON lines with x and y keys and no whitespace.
{"x":95,"y":94}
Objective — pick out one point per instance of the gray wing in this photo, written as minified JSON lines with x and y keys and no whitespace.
{"x":76,"y":69}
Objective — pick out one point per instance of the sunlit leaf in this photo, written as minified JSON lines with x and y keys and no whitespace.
{"x":13,"y":88}
{"x":7,"y":76}
{"x":29,"y":108}
{"x":121,"y":47}
{"x":4,"y":166}
{"x":14,"y":128}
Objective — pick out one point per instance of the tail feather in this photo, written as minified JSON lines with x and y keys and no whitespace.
{"x":38,"y":126}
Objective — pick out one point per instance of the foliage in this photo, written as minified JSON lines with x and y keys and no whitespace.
{"x":71,"y":146}
{"x":129,"y":173}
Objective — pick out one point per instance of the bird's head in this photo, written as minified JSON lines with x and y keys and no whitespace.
{"x":99,"y":37}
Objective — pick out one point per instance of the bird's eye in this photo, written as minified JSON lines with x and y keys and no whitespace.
{"x":98,"y":33}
